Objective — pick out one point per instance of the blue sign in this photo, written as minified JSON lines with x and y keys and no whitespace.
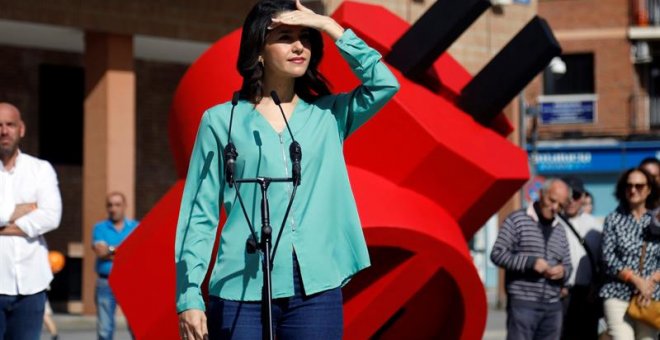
{"x":524,"y":2}
{"x":613,"y":158}
{"x":568,"y":109}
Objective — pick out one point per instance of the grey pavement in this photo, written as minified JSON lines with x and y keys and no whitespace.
{"x":83,"y":327}
{"x":495,"y":324}
{"x":77,"y":327}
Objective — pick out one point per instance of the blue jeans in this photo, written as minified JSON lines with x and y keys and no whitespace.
{"x":21,"y":316}
{"x":533,"y":321}
{"x":105,"y":309}
{"x":318,"y":316}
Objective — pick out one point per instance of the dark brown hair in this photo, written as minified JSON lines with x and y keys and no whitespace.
{"x":621,"y":184}
{"x":309,"y":87}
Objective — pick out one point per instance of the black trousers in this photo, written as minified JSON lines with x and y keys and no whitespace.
{"x":581,"y":313}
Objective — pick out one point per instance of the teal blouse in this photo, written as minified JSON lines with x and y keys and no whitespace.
{"x":323,"y":227}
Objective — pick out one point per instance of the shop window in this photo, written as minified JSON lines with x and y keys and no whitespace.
{"x":578,"y":78}
{"x":61,"y":101}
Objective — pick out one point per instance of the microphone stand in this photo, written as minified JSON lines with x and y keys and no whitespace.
{"x":265,"y":243}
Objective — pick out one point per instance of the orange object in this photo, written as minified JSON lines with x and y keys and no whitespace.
{"x":56,"y":260}
{"x":640,"y":13}
{"x":627,"y":275}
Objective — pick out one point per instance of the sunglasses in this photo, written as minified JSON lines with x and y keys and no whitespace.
{"x":637,"y":186}
{"x":577,"y":195}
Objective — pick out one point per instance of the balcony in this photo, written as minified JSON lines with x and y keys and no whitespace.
{"x":645,"y":20}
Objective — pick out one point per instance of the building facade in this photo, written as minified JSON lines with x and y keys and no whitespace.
{"x":602,"y":115}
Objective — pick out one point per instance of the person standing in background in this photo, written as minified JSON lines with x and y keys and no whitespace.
{"x":532,"y":247}
{"x":107,"y":236}
{"x":582,"y":306}
{"x":652,"y":166}
{"x":588,"y":203}
{"x":625,"y":233}
{"x":30,"y":206}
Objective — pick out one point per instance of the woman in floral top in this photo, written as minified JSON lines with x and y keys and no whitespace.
{"x":624,"y":233}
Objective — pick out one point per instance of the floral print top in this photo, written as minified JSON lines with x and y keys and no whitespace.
{"x":623,"y":236}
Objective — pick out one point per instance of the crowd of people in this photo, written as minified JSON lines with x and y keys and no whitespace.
{"x":568,"y":276}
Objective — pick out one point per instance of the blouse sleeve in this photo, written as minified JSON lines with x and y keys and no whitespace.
{"x":354,"y":108}
{"x":198,"y":217}
{"x":611,"y":262}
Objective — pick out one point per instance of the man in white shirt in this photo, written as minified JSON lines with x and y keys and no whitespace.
{"x":30,"y":206}
{"x":582,"y":305}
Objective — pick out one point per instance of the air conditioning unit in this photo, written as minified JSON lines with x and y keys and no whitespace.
{"x":641,"y":52}
{"x":501,"y":2}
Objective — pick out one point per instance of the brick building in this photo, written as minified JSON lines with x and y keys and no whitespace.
{"x":602,"y":116}
{"x":94,"y":81}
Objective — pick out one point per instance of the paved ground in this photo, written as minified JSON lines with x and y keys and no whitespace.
{"x":74,"y":327}
{"x":496,"y":325}
{"x":77,"y":327}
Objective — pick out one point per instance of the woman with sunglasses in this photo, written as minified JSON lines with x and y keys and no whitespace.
{"x":322,"y":244}
{"x":625,"y":231}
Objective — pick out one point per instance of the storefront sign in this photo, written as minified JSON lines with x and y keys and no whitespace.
{"x":613,"y":158}
{"x":568,"y":109}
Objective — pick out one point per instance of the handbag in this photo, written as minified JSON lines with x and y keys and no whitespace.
{"x":650,"y":314}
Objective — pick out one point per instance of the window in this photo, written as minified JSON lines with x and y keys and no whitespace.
{"x":578,"y":79}
{"x":654,"y":94}
{"x":61,"y":97}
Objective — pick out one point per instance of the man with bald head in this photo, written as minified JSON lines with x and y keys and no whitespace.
{"x":30,"y":206}
{"x":533,"y":250}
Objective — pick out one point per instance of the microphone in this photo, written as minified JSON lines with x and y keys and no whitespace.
{"x":296,"y":155}
{"x":295,"y":151}
{"x":230,"y":149}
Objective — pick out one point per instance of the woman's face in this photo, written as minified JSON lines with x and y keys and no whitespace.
{"x":587,"y":205}
{"x":637,"y":188}
{"x":287,"y":51}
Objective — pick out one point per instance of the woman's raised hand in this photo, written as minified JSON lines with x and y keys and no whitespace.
{"x":304,"y":16}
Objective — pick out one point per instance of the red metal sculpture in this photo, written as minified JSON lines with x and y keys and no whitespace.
{"x":422,"y":188}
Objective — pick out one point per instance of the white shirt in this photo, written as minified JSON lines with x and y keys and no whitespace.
{"x":24,"y":266}
{"x":591,"y":230}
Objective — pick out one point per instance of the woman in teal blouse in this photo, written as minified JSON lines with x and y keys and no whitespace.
{"x":322,"y":244}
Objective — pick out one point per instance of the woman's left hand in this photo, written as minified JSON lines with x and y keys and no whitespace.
{"x":304,"y":16}
{"x":646,"y":295}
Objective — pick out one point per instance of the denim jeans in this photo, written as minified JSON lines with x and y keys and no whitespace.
{"x":21,"y":316}
{"x":318,"y":316}
{"x":533,"y":321}
{"x":105,"y":309}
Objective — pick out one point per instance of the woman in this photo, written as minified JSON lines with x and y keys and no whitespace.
{"x":588,"y":203}
{"x":322,"y":244}
{"x":624,"y":232}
